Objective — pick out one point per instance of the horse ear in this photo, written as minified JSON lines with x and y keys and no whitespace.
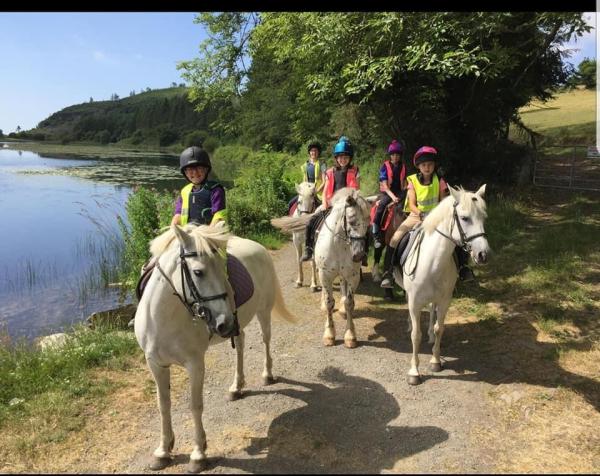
{"x":481,"y":190}
{"x":350,"y":201}
{"x":183,"y":237}
{"x":454,"y":192}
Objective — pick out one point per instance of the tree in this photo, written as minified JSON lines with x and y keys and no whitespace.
{"x":132,"y":93}
{"x":173,"y":84}
{"x":91,"y":99}
{"x":455,"y":80}
{"x":18,"y":129}
{"x":586,"y":73}
{"x":1,"y":133}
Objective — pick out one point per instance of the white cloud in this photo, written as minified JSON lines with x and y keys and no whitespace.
{"x":101,"y":57}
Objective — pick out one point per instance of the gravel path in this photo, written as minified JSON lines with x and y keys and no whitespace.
{"x":335,"y":410}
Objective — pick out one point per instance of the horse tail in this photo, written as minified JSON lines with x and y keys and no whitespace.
{"x":291,"y":224}
{"x":279,"y":305}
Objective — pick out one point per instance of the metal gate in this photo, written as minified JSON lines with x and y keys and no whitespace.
{"x":575,"y":167}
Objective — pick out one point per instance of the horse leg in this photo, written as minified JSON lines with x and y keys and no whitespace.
{"x":343,"y":287}
{"x":264,"y":318}
{"x":328,"y":301}
{"x":415,"y":336}
{"x":375,"y":271}
{"x":298,"y":246}
{"x":435,"y":362}
{"x":235,"y":391}
{"x":198,"y":459}
{"x":162,"y":455}
{"x":349,"y":336}
{"x":313,"y":282}
{"x":432,"y":321}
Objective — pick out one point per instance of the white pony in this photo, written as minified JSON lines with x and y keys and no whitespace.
{"x":189,"y":304}
{"x":339,"y":251}
{"x":429,"y":274}
{"x":306,"y":204}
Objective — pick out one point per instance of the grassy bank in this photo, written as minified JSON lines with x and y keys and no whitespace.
{"x":92,"y":150}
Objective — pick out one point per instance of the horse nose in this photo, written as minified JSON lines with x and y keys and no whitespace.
{"x":222,"y":326}
{"x":356,"y":257}
{"x":482,"y":257}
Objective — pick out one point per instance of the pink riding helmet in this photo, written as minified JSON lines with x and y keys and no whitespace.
{"x":425,"y":154}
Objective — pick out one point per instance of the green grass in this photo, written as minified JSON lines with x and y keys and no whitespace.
{"x":35,"y":381}
{"x":541,"y":266}
{"x":569,"y":118}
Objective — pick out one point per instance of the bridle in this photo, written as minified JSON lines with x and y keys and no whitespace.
{"x":464,"y":243}
{"x":195,"y":308}
{"x":347,"y":237}
{"x":312,"y":209}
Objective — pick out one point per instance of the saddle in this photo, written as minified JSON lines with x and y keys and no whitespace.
{"x":403,"y":249}
{"x":239,"y":278}
{"x":387,"y":217}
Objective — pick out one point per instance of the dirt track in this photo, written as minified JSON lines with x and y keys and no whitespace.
{"x":498,"y":406}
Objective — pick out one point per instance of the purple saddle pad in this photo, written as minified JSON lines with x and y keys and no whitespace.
{"x":240,"y":280}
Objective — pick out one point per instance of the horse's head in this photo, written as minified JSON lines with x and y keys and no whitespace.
{"x":202,"y":272}
{"x":469,"y":215}
{"x":306,"y":197}
{"x":354,"y":220}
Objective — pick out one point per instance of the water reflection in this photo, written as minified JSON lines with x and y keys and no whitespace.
{"x":60,"y":237}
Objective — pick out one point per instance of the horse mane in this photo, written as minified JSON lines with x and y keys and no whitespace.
{"x":469,"y":203}
{"x":342,"y":194}
{"x":208,"y":238}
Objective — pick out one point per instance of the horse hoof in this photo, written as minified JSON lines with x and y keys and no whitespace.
{"x":315,"y":289}
{"x":350,"y":343}
{"x":414,"y":380}
{"x":233,"y":396}
{"x":437,"y":367}
{"x":297,"y":285}
{"x":196,"y":466}
{"x":328,"y":341}
{"x":269,"y":380}
{"x":156,"y":464}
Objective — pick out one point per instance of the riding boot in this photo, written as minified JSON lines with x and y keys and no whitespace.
{"x":309,"y":242}
{"x":465,"y":273}
{"x":377,"y":243}
{"x":387,"y":277}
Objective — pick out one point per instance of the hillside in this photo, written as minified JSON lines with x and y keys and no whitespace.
{"x":569,"y":118}
{"x":158,"y":118}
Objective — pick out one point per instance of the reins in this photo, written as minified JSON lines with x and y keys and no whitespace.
{"x":347,"y":237}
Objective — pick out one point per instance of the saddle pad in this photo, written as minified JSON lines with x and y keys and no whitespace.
{"x":386,"y":218}
{"x":406,"y":243}
{"x":293,"y":209}
{"x":240,"y":280}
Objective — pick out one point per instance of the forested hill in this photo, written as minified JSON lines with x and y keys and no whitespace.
{"x":156,"y":118}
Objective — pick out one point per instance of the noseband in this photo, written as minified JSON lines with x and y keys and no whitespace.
{"x":195,"y":308}
{"x":464,"y":244}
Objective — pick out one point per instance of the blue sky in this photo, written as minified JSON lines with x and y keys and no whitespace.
{"x":53,"y":60}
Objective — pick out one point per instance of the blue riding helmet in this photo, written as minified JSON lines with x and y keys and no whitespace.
{"x":344,"y":146}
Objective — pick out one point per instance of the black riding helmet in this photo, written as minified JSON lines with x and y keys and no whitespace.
{"x":194,"y":156}
{"x":314,"y":145}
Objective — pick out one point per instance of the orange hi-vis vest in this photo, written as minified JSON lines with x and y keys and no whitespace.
{"x":388,"y":167}
{"x":350,"y":180}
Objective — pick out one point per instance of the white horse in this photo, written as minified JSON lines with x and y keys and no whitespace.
{"x":339,"y":250}
{"x":189,"y":304}
{"x":429,"y":274}
{"x":306,"y":204}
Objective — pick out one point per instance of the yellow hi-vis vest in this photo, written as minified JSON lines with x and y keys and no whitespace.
{"x":318,"y":176}
{"x":185,"y":207}
{"x":428,"y":196}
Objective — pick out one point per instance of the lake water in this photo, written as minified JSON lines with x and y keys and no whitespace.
{"x":57,"y":214}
